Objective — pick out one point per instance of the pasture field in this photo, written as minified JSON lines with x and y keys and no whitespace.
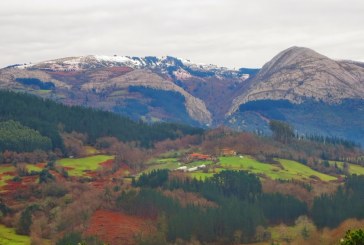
{"x":299,"y":169}
{"x":9,"y":237}
{"x":356,"y":169}
{"x":249,"y":164}
{"x":162,"y":163}
{"x":287,"y":169}
{"x":353,"y":168}
{"x":79,"y":166}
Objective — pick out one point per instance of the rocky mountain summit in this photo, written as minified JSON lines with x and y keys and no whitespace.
{"x":298,"y":74}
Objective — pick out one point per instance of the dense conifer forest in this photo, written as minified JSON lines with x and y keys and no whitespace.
{"x":49,"y":118}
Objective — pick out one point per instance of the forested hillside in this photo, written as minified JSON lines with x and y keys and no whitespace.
{"x":50,"y":118}
{"x":16,"y":137}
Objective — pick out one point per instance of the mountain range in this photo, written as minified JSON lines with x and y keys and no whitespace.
{"x":317,"y":95}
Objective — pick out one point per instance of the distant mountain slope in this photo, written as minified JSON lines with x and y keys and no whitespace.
{"x":298,"y":74}
{"x":197,"y":93}
{"x":315,"y":94}
{"x":324,"y":96}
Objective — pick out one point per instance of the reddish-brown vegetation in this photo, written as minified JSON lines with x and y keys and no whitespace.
{"x":117,"y":228}
{"x":12,"y":186}
{"x":107,"y":164}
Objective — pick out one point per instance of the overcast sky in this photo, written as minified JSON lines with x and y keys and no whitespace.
{"x":232,"y":33}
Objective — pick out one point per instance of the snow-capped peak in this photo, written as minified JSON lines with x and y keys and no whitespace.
{"x":164,"y":64}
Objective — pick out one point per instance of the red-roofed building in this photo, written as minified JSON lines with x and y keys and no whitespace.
{"x":198,"y":157}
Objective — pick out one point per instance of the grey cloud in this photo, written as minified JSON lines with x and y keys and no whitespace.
{"x":231,"y":33}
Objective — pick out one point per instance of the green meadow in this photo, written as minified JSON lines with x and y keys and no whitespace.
{"x":353,"y":168}
{"x":286,"y":169}
{"x":298,"y":169}
{"x":80,"y":165}
{"x":162,"y":163}
{"x":9,"y":237}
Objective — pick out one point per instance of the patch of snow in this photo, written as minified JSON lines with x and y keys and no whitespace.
{"x":182,"y":74}
{"x":120,"y":59}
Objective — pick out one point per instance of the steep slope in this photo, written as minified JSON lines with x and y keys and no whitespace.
{"x":196,"y":93}
{"x":315,"y":94}
{"x":299,"y":74}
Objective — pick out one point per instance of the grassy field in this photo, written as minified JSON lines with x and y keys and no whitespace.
{"x":353,"y":168}
{"x":162,"y":163}
{"x":9,"y":237}
{"x":250,"y":164}
{"x":298,"y":169}
{"x":356,"y":169}
{"x":286,"y":170}
{"x":78,"y":166}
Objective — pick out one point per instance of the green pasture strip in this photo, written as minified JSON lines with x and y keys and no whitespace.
{"x":298,"y":169}
{"x":80,"y":165}
{"x":353,"y":168}
{"x":249,"y":164}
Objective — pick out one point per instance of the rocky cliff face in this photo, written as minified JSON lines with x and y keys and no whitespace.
{"x":298,"y":74}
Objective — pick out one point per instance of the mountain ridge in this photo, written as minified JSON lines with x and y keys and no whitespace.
{"x":300,"y":73}
{"x":178,"y":90}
